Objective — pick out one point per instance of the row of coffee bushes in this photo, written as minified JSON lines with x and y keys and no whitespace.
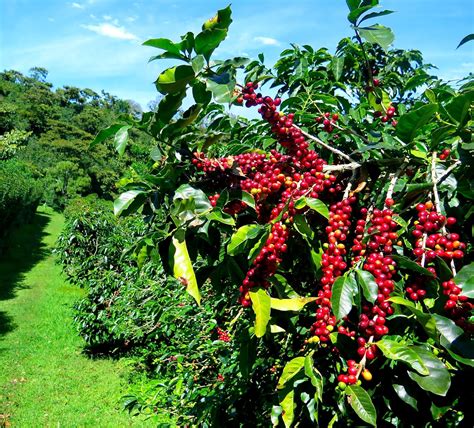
{"x":20,"y":194}
{"x":188,"y":365}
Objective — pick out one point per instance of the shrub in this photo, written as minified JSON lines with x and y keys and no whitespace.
{"x":20,"y":193}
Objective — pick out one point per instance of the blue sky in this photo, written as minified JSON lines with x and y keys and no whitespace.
{"x":96,"y":43}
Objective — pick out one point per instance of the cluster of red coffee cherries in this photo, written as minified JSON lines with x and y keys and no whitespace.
{"x":430,"y":242}
{"x":223,"y":335}
{"x":266,"y":263}
{"x":458,"y":306}
{"x":444,"y":154}
{"x":327,"y":120}
{"x":389,"y":114}
{"x":333,"y":265}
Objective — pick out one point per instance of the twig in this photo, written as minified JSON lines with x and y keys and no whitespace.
{"x":349,"y":185}
{"x":342,"y":167}
{"x":393,"y":180}
{"x":448,"y":171}
{"x":435,"y":181}
{"x":326,"y":146}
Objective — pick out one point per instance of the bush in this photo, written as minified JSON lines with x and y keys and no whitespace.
{"x":20,"y":193}
{"x":342,"y":219}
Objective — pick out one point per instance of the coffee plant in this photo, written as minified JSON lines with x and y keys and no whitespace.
{"x":337,"y":228}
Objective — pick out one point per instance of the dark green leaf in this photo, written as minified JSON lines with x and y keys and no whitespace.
{"x":302,"y":226}
{"x":367,"y":282}
{"x":402,"y":392}
{"x":411,"y":123}
{"x":240,"y":239}
{"x":362,"y":404}
{"x":466,"y":39}
{"x":208,"y":40}
{"x":426,"y":320}
{"x":123,"y":202}
{"x":343,"y":292}
{"x":465,"y":279}
{"x":396,"y":351}
{"x":165,"y":44}
{"x":438,"y":380}
{"x":105,"y":133}
{"x":458,"y":107}
{"x":375,"y":15}
{"x":406,"y":263}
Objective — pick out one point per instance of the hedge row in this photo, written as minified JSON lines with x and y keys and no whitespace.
{"x":20,"y":193}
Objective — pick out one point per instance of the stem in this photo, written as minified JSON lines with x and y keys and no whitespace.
{"x":326,"y":146}
{"x":435,"y":181}
{"x":343,"y":167}
{"x":393,"y":180}
{"x":367,"y":63}
{"x":349,"y":185}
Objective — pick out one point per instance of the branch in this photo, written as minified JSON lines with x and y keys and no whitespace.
{"x":326,"y":146}
{"x":393,"y":180}
{"x":342,"y":167}
{"x":435,"y":181}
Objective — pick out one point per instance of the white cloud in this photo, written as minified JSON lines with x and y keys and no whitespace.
{"x":267,"y":41}
{"x":51,"y":19}
{"x":110,"y":30}
{"x":77,"y":6}
{"x":92,"y":16}
{"x":107,"y":17}
{"x":131,"y":19}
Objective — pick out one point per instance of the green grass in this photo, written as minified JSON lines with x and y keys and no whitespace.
{"x":45,"y":380}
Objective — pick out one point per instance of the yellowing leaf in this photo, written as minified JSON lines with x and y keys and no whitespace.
{"x":261,"y":307}
{"x":183,"y":267}
{"x":295,"y":304}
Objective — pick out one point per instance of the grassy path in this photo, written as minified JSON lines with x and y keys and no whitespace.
{"x":45,"y":381}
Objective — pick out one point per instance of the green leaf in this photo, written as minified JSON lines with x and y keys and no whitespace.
{"x":438,"y":380}
{"x":240,"y":239}
{"x":426,"y":320}
{"x":314,"y":376}
{"x":353,"y":4}
{"x":165,"y":44}
{"x":222,"y":87}
{"x":466,"y":39}
{"x":375,"y":15}
{"x":201,"y":201}
{"x":261,"y":306}
{"x":198,"y":63}
{"x":314,"y":204}
{"x":121,"y":139}
{"x":295,"y":304}
{"x":291,"y":369}
{"x":367,"y":282}
{"x":396,"y":351}
{"x":343,"y":292}
{"x":169,"y":106}
{"x":126,"y":199}
{"x":174,"y":79}
{"x":458,"y":107}
{"x":465,"y":280}
{"x":362,"y":404}
{"x":337,"y":66}
{"x":404,"y":395}
{"x":411,"y":123}
{"x":288,"y":408}
{"x":200,"y":93}
{"x":255,"y":251}
{"x":302,"y":226}
{"x":406,"y":263}
{"x":208,"y":40}
{"x":356,"y":13}
{"x":104,"y":134}
{"x":182,"y":265}
{"x":219,"y":216}
{"x":379,"y":34}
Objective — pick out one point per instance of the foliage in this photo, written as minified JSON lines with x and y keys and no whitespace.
{"x":351,"y":198}
{"x":20,"y":194}
{"x":54,"y":128}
